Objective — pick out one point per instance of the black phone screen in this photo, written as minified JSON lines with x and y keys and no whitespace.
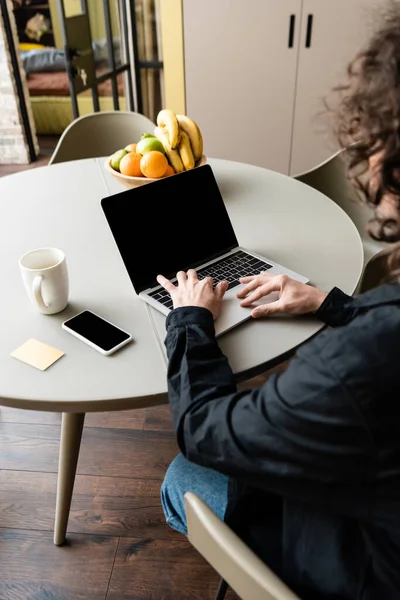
{"x":97,"y":330}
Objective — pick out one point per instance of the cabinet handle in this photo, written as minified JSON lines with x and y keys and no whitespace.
{"x":310,"y":20}
{"x":292,"y":23}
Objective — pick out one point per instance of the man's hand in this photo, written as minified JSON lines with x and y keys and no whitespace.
{"x":295,"y":298}
{"x":192,"y":291}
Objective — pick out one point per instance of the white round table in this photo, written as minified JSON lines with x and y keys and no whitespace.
{"x":59,"y":205}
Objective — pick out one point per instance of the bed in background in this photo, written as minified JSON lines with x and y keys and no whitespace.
{"x":51,"y":102}
{"x":48,"y":86}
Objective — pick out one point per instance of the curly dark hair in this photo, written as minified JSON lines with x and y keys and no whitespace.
{"x":367,"y":117}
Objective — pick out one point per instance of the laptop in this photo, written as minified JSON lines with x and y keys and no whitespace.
{"x":179,"y":223}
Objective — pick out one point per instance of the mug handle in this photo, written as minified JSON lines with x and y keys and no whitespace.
{"x":37,"y":292}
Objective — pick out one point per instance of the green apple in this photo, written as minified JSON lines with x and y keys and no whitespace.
{"x":148,"y":144}
{"x":147,"y":135}
{"x":116,"y":158}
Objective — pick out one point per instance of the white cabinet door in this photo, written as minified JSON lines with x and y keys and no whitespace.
{"x":332,"y":33}
{"x":240,"y":73}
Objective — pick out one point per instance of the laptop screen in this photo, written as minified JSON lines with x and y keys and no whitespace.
{"x":169,"y":225}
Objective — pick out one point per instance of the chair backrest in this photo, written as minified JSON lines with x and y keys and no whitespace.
{"x":100,"y":134}
{"x":245,"y":573}
{"x":330,"y":178}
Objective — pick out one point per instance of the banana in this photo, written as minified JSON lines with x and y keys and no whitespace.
{"x":192,"y":129}
{"x":172,"y":155}
{"x":166,"y":118}
{"x":185,"y":151}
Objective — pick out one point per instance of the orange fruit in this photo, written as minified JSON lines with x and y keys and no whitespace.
{"x":131,"y":147}
{"x":170,"y":171}
{"x":130,"y":165}
{"x":153,"y":164}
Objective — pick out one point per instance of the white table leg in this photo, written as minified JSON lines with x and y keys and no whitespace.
{"x":71,"y":435}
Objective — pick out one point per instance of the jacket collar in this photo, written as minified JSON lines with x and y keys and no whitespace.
{"x":388,"y":293}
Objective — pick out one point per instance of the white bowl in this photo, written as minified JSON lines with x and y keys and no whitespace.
{"x":129,"y":181}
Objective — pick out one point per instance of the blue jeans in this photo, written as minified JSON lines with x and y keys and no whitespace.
{"x":184,"y":476}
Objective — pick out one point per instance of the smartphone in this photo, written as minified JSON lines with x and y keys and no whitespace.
{"x":100,"y":334}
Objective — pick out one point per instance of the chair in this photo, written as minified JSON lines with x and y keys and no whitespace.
{"x":238,"y":566}
{"x":330,"y":178}
{"x":100,"y":134}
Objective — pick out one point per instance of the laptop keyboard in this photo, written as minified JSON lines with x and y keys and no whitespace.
{"x":230,"y":268}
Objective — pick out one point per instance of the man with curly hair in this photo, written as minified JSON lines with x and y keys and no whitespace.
{"x":307,"y":467}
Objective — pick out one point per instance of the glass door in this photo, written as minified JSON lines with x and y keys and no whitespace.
{"x":149,"y":57}
{"x":98,"y":58}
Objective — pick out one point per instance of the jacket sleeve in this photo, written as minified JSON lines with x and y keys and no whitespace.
{"x":337,"y":308}
{"x":299,"y":434}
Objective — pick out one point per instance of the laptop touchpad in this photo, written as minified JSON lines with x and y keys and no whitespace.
{"x":232,"y":313}
{"x":272,"y":297}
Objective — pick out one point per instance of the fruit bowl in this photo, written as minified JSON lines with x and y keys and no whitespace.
{"x":129,"y":181}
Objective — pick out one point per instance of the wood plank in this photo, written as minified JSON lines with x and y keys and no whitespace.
{"x":32,"y":568}
{"x":120,"y":419}
{"x":158,"y":418}
{"x":100,"y":505}
{"x":124,"y":453}
{"x":29,"y":447}
{"x":107,"y":452}
{"x":117,"y":419}
{"x":161,"y":570}
{"x":16,"y":415}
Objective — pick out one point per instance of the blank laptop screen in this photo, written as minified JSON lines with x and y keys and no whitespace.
{"x":169,"y":225}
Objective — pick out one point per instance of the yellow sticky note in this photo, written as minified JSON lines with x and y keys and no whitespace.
{"x":37,"y":354}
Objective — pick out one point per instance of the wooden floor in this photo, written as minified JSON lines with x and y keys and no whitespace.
{"x":118,"y":545}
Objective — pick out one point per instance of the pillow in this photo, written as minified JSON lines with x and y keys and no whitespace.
{"x":47,"y":60}
{"x":100,"y":50}
{"x":30,"y":46}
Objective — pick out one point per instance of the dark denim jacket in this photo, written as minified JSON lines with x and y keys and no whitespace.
{"x":313,"y":456}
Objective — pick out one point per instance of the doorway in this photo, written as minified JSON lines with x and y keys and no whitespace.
{"x":90,"y":56}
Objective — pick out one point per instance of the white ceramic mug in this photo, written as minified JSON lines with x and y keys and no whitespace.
{"x":45,"y":275}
